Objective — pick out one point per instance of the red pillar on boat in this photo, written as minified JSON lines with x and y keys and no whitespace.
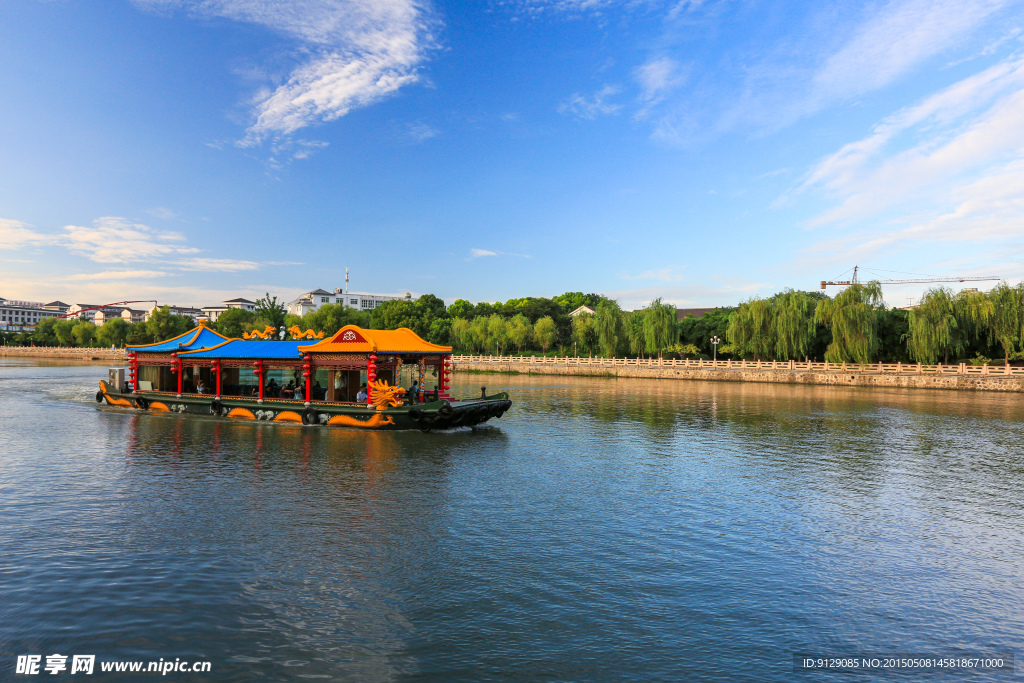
{"x":178,"y":369}
{"x":259,"y":372}
{"x":216,"y":368}
{"x":307,"y":372}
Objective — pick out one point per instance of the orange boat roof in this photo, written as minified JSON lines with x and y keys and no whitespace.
{"x":354,"y":339}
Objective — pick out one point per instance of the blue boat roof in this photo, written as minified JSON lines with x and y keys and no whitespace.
{"x":200,"y":337}
{"x":255,"y":348}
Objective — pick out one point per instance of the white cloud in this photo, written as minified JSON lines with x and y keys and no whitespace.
{"x":590,"y":108}
{"x":216,"y":264}
{"x":477,"y":253}
{"x":16,"y":235}
{"x":115,"y":240}
{"x":117,"y":275}
{"x":918,"y":152}
{"x":695,"y":295}
{"x":894,"y":40}
{"x":659,"y":76}
{"x":352,"y":53}
{"x":163,"y":213}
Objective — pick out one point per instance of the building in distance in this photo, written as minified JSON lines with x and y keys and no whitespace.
{"x":363,"y":301}
{"x":26,"y":314}
{"x":213,"y":312}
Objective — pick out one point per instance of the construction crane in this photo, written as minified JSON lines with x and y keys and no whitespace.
{"x":117,"y":303}
{"x":854,"y":280}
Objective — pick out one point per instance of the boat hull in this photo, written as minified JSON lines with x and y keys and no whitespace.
{"x":440,"y":414}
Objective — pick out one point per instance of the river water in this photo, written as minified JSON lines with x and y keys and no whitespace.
{"x":602,"y":530}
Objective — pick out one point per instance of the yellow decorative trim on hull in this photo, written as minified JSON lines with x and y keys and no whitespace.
{"x":374,"y":422}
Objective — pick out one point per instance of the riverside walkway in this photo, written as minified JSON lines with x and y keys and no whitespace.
{"x":910,"y":375}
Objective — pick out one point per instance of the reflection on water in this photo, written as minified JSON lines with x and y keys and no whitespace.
{"x":601,"y":530}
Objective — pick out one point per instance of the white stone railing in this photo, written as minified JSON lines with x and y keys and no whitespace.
{"x":784,"y":366}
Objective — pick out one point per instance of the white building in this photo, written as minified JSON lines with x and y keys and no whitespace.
{"x":213,"y":312}
{"x":19,"y":314}
{"x":364,"y":301}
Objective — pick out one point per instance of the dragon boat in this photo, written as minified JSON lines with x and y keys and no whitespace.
{"x":203,"y":372}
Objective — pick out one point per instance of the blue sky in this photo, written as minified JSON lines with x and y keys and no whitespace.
{"x":700,"y":151}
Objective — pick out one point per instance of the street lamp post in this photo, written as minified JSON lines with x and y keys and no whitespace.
{"x":714,"y":343}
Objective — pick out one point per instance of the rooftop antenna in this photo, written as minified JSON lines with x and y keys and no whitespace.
{"x":346,"y":279}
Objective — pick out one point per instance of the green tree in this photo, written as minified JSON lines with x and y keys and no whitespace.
{"x":584,"y":333}
{"x":608,"y":320}
{"x":83,"y":332}
{"x":62,"y":329}
{"x":440,"y":331}
{"x":546,"y":332}
{"x":659,"y":326}
{"x":113,"y":333}
{"x":462,"y":335}
{"x":461,"y":308}
{"x":933,"y":327}
{"x":570,"y":301}
{"x":520,"y":331}
{"x":478,"y":333}
{"x":851,"y":317}
{"x":497,"y":333}
{"x":750,"y":330}
{"x":1007,"y":320}
{"x":268,"y":309}
{"x":231,"y":323}
{"x":163,"y":325}
{"x":633,"y":330}
{"x":793,"y":327}
{"x":44,"y":333}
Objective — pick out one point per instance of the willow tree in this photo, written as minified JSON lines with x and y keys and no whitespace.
{"x":659,"y":327}
{"x":633,"y":328}
{"x":608,"y":321}
{"x":584,"y":333}
{"x":462,"y":335}
{"x":750,"y":329}
{"x":520,"y":331}
{"x":545,"y":332}
{"x":851,"y":316}
{"x":1007,"y":321}
{"x":793,"y":327}
{"x":497,"y":333}
{"x":933,"y":327}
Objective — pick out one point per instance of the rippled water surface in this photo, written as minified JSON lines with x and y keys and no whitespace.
{"x":601,"y":530}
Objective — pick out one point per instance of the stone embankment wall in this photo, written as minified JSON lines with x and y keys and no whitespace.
{"x":783,"y":376}
{"x":116,"y":356}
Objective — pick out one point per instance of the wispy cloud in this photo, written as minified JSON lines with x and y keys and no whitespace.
{"x":481,"y":253}
{"x":892,"y":41}
{"x":590,"y":107}
{"x":961,"y":129}
{"x":950,"y":168}
{"x":216,"y":264}
{"x":658,"y":77}
{"x":17,"y":235}
{"x":116,"y":275}
{"x":163,"y":213}
{"x":116,"y":240}
{"x":351,"y":53}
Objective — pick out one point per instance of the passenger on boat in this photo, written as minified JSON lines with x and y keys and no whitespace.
{"x":412,"y":393}
{"x":361,"y":395}
{"x":287,"y":392}
{"x":200,"y":387}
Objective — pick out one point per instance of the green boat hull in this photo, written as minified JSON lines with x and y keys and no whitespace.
{"x":440,"y":414}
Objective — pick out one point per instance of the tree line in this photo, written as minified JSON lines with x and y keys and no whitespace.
{"x":853,"y":326}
